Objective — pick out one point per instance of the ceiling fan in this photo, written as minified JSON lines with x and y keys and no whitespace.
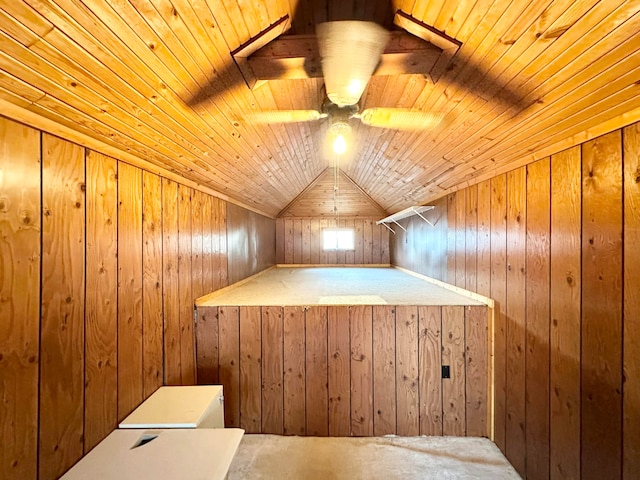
{"x":350,"y":51}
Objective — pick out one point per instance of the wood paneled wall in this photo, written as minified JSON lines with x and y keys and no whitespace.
{"x":348,"y":370}
{"x":100,"y":264}
{"x":299,"y":241}
{"x":252,"y":242}
{"x":555,"y":245}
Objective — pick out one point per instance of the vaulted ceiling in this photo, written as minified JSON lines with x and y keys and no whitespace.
{"x":158,"y":79}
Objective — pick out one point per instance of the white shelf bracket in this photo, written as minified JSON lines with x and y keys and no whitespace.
{"x":389,"y":228}
{"x":399,"y":225}
{"x":420,"y":215}
{"x":407,"y":212}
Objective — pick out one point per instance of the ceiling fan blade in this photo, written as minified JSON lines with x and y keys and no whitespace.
{"x":350,"y":52}
{"x":284,"y":116}
{"x":399,"y":118}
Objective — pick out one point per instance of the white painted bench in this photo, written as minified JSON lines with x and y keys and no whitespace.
{"x":180,"y":407}
{"x":184,"y":454}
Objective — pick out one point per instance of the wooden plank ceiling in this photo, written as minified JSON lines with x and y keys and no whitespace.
{"x":527,"y":74}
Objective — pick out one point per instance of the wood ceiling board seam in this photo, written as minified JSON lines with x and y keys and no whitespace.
{"x":461,"y":16}
{"x":294,"y":133}
{"x":193,"y":48}
{"x":626,"y":94}
{"x":363,"y":193}
{"x":39,"y":121}
{"x":459,"y":146}
{"x":539,"y":83}
{"x":222,"y":20}
{"x":438,"y":90}
{"x":470,"y":137}
{"x":69,"y":95}
{"x":556,"y":96}
{"x":251,"y":16}
{"x":565,"y":90}
{"x":253,"y":130}
{"x":160,"y":96}
{"x":627,"y":104}
{"x":96,"y":86}
{"x":136,"y":58}
{"x":242,"y":30}
{"x":626,"y":118}
{"x":276,"y":130}
{"x":426,"y":11}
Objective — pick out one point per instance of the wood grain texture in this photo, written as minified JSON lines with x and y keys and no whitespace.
{"x":384,"y":370}
{"x":601,"y":364}
{"x":316,"y":389}
{"x":272,"y":371}
{"x":484,"y":239}
{"x":477,"y":370}
{"x":317,"y":200}
{"x":516,"y":317}
{"x":250,"y":241}
{"x":152,"y":320}
{"x":250,"y":369}
{"x":451,"y":239}
{"x":208,"y":250}
{"x":453,"y":389}
{"x":408,"y":416}
{"x":62,"y":322}
{"x":538,"y":314}
{"x":223,"y":234}
{"x":565,"y":287}
{"x":361,"y":326}
{"x":197,"y":264}
{"x":430,"y":368}
{"x":207,"y":346}
{"x":302,"y":241}
{"x":339,"y":371}
{"x":460,"y":238}
{"x":499,"y":295}
{"x":471,"y":238}
{"x":130,"y":324}
{"x":101,"y":300}
{"x":229,"y":338}
{"x":294,"y":371}
{"x":20,"y":248}
{"x":170,"y":288}
{"x":185,"y":297}
{"x":631,"y":366}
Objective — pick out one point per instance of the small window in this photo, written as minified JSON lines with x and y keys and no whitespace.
{"x":337,"y":239}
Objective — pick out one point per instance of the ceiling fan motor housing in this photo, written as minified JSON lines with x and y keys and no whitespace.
{"x":350,"y":52}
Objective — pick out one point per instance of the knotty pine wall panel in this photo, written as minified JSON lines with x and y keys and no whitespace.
{"x":98,"y":332}
{"x":556,"y":250}
{"x":62,"y":335}
{"x":101,"y":302}
{"x":20,"y":250}
{"x":299,"y":241}
{"x":350,"y":370}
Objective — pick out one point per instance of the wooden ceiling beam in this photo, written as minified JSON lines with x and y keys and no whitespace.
{"x":297,"y":57}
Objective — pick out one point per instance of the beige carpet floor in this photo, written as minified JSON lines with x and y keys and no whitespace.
{"x":424,"y":458}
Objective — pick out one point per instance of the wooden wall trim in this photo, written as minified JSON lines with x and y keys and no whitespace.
{"x":349,"y":370}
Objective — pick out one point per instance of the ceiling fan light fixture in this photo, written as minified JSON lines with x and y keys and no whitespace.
{"x":340,"y":144}
{"x":350,"y":52}
{"x":339,"y":131}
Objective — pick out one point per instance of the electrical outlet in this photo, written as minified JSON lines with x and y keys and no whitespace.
{"x":446,"y":371}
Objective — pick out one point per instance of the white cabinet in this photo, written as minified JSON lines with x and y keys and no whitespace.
{"x":175,"y":454}
{"x":180,"y":407}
